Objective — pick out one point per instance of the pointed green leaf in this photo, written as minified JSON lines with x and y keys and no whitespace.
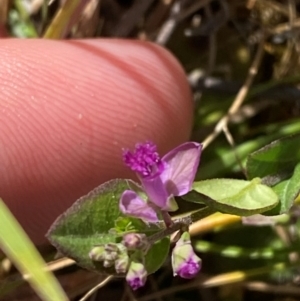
{"x":88,"y":222}
{"x":288,"y":190}
{"x":275,"y":158}
{"x":237,"y":197}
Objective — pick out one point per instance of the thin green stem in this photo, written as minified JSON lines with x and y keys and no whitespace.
{"x":166,"y":232}
{"x":167,"y":219}
{"x":202,"y":213}
{"x":180,"y":224}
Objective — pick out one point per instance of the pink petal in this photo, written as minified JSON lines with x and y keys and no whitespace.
{"x":156,"y":191}
{"x":131,"y":204}
{"x":182,"y":163}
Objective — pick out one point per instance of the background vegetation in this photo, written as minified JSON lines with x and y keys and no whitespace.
{"x":242,"y":61}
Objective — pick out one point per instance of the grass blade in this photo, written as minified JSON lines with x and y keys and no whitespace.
{"x":22,"y":252}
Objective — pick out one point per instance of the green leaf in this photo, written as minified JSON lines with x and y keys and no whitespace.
{"x":88,"y":222}
{"x":275,"y":158}
{"x":288,"y":190}
{"x":237,"y":197}
{"x":18,"y":247}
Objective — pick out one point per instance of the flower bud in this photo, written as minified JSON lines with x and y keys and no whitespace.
{"x":185,"y":262}
{"x":111,"y":254}
{"x":108,"y":263}
{"x":97,"y":253}
{"x":133,"y":241}
{"x":111,"y":247}
{"x":137,"y":275}
{"x":111,"y":251}
{"x":121,"y":264}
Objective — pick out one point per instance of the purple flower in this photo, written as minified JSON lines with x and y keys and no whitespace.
{"x":185,"y":262}
{"x":161,"y":178}
{"x":137,"y":275}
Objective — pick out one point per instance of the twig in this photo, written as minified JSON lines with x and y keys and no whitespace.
{"x":219,"y":280}
{"x":292,"y":19}
{"x":131,"y":18}
{"x":95,"y":288}
{"x":55,"y":265}
{"x":197,"y":5}
{"x":166,"y":232}
{"x":275,"y":6}
{"x":232,"y":144}
{"x":273,"y":289}
{"x":284,"y":27}
{"x":169,"y":25}
{"x":239,"y":98}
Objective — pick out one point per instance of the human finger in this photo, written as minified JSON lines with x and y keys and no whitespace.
{"x":67,"y":110}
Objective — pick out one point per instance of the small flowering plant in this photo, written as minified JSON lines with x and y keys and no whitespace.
{"x":123,"y":228}
{"x":162,"y":179}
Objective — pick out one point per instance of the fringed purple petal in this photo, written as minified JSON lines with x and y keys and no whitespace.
{"x":189,"y":269}
{"x":137,"y":275}
{"x":182,"y":163}
{"x":145,"y":160}
{"x":131,"y":204}
{"x":156,"y":191}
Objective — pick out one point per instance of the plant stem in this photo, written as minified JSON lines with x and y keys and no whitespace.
{"x":167,"y":219}
{"x":166,"y":232}
{"x":202,"y":213}
{"x":179,"y":223}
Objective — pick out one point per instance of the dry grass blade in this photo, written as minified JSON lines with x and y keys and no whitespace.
{"x":219,"y":280}
{"x":239,"y":99}
{"x":169,"y":25}
{"x":95,"y":288}
{"x":59,"y":264}
{"x":129,"y":20}
{"x":271,"y":288}
{"x":89,"y":21}
{"x":65,"y":18}
{"x":213,"y":221}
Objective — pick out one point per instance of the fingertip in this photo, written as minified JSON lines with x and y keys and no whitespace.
{"x":69,"y":107}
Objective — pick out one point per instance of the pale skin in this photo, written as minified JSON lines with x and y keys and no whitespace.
{"x":67,"y":109}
